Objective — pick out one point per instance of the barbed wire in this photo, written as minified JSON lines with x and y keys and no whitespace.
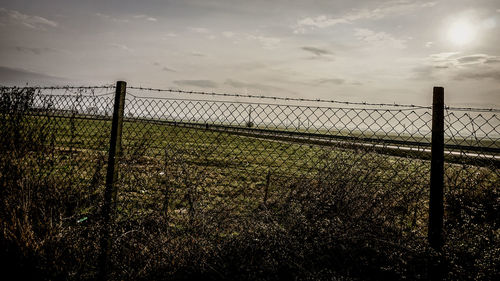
{"x":69,"y":91}
{"x":477,"y":109}
{"x":301,"y":99}
{"x":236,"y":95}
{"x":272,"y":97}
{"x":109,"y":86}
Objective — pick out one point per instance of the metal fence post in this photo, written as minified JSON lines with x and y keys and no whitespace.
{"x":436,"y":209}
{"x":110,"y":192}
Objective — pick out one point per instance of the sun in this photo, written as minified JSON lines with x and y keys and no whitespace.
{"x":461,"y":32}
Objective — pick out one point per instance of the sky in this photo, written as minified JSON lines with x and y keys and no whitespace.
{"x":369,"y":51}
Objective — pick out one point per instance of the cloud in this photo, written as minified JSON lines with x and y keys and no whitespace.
{"x":384,"y":10}
{"x":429,"y":44}
{"x":321,"y":21}
{"x":228,"y":34}
{"x":168,"y":69}
{"x":441,"y":58}
{"x":245,"y":85}
{"x":121,"y":47}
{"x":111,"y":18}
{"x":145,"y":17}
{"x":19,"y":76}
{"x":443,"y":55}
{"x":12,"y":17}
{"x":199,"y":30}
{"x":478,"y":58}
{"x":164,"y":68}
{"x":475,"y":75}
{"x":336,"y":81}
{"x":423,"y":72}
{"x":435,"y":64}
{"x":379,"y":38}
{"x":196,"y":54}
{"x":459,"y":67}
{"x":203,"y":31}
{"x":317,"y":51}
{"x":197,"y":83}
{"x":265,"y":42}
{"x":492,"y":60}
{"x":35,"y":51}
{"x":452,"y":59}
{"x":127,"y":18}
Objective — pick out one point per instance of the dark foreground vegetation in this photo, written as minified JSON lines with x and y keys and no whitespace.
{"x":201,"y":222}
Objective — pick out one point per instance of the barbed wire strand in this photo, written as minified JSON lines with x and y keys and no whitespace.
{"x":269,"y":97}
{"x":192,"y":92}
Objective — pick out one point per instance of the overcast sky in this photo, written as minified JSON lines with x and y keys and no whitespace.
{"x":374,"y":51}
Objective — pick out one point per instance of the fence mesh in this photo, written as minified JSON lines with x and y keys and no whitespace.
{"x":210,"y":180}
{"x":54,"y":144}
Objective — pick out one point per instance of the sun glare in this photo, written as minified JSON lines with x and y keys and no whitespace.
{"x":461,"y":33}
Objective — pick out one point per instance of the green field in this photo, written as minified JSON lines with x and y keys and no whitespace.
{"x":227,"y":167}
{"x":198,"y":200}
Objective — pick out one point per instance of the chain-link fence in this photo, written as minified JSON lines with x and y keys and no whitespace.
{"x":225,"y":185}
{"x":54,"y":144}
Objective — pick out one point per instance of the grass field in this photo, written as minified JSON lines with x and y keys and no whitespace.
{"x":156,"y":154}
{"x":219,"y":204}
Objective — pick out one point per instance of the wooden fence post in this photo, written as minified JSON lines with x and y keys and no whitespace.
{"x":110,"y":193}
{"x":436,"y":209}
